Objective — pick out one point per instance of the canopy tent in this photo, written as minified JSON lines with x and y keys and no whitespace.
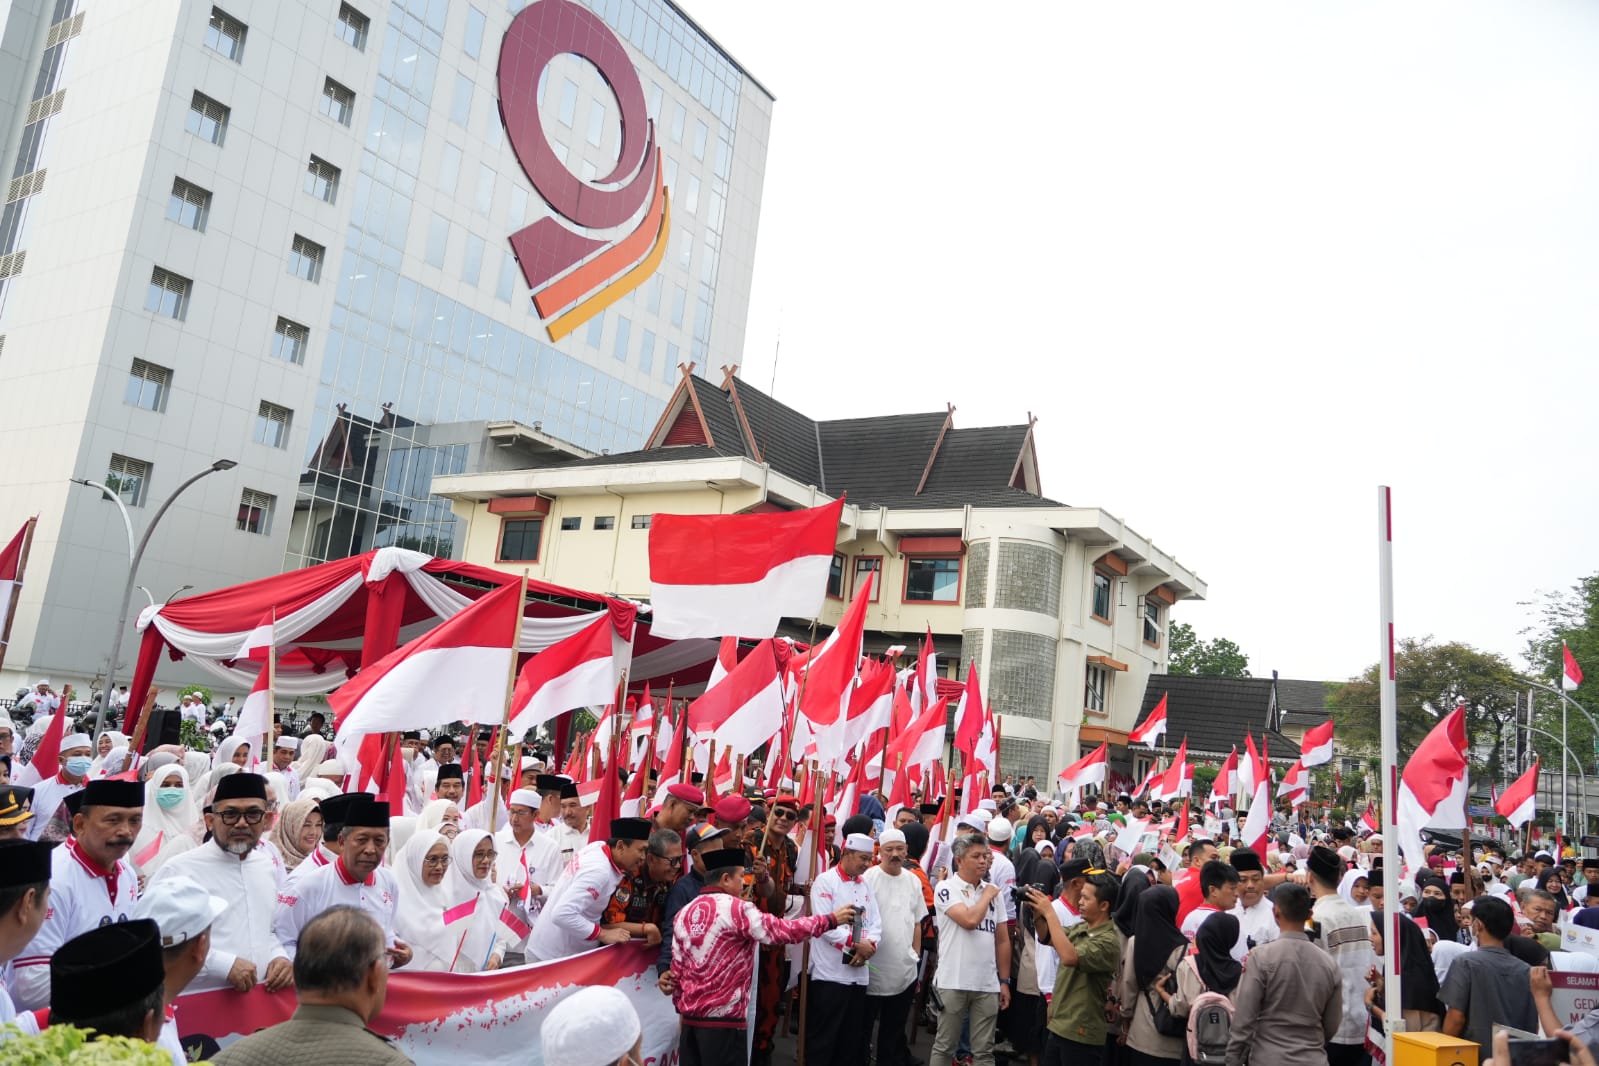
{"x":331,"y":619}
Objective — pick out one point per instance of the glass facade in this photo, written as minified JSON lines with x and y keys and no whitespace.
{"x":411,"y":365}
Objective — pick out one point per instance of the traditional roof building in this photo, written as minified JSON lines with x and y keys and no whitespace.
{"x":1063,"y":609}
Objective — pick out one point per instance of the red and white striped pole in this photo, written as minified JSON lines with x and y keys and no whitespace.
{"x":1388,"y":689}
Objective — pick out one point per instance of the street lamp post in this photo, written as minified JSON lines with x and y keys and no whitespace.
{"x":135,"y":554}
{"x":1565,"y":701}
{"x":1566,"y":755}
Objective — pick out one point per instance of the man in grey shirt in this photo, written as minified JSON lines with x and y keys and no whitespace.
{"x":1489,"y":985}
{"x":1291,"y":998}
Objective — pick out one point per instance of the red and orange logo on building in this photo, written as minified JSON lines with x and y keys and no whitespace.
{"x":575,"y":276}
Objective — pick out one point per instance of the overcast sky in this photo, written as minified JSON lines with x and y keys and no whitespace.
{"x":1244,"y":262}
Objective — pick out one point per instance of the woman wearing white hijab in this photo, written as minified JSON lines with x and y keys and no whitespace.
{"x":313,"y":749}
{"x":401,"y":830}
{"x":1346,"y":888}
{"x":196,"y":764}
{"x":235,"y":749}
{"x":117,"y":761}
{"x":441,"y":816}
{"x":170,"y":812}
{"x":422,"y":867}
{"x":319,"y":789}
{"x":109,"y":742}
{"x":471,"y":863}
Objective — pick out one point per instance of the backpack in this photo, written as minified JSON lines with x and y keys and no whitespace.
{"x":1210,"y":1025}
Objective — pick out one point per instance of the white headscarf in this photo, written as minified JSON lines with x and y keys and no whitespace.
{"x":401,"y":829}
{"x":432,"y":816}
{"x":226,"y":749}
{"x":116,"y":761}
{"x":1346,"y":887}
{"x":196,"y":764}
{"x":484,"y":936}
{"x":419,"y":917}
{"x":171,"y":826}
{"x":118,"y":740}
{"x":319,"y":788}
{"x":313,"y":749}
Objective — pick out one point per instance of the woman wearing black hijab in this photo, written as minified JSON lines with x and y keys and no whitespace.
{"x":1418,"y":978}
{"x":1151,"y":957}
{"x":1134,"y":884}
{"x":1438,"y":910}
{"x":1211,"y":968}
{"x":1551,"y":883}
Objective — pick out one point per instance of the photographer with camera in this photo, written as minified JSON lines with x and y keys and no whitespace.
{"x":1089,"y":953}
{"x":835,"y":1021}
{"x":973,"y":978}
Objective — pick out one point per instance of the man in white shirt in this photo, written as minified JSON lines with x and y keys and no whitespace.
{"x":526,"y":863}
{"x":42,"y":698}
{"x":569,"y":924}
{"x":183,"y":912}
{"x":1002,"y":871}
{"x":283,"y":751}
{"x":192,"y":709}
{"x":571,"y":833}
{"x":77,"y":756}
{"x":891,"y":978}
{"x":25,"y":877}
{"x":91,"y":884}
{"x":356,"y":878}
{"x":1257,"y":918}
{"x":450,"y":783}
{"x":973,"y":977}
{"x":235,"y":867}
{"x":835,"y":1024}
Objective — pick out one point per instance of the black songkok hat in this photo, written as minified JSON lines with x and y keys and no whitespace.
{"x":1073,"y":868}
{"x":1325,"y":865}
{"x":24,"y":862}
{"x":450,"y":771}
{"x":630,"y":828}
{"x":1245,"y":860}
{"x":1374,"y":877}
{"x":108,"y":968}
{"x":721,"y":860}
{"x":108,"y":793}
{"x":372,"y":814}
{"x":929,"y":808}
{"x":242,"y":786}
{"x":550,"y":783}
{"x":568,"y":789}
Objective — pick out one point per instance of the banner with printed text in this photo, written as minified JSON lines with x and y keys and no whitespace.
{"x":449,"y":1019}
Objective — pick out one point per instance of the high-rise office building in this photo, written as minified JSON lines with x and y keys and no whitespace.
{"x":349,"y":245}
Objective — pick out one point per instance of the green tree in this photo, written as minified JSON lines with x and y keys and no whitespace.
{"x":1188,"y":654}
{"x":1433,"y":679}
{"x":1570,"y":616}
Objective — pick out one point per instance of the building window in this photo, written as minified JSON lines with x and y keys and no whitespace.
{"x":624,"y":334}
{"x":1152,"y":608}
{"x":351,"y":27}
{"x":338,"y":103}
{"x":519,"y":539}
{"x":148,"y":386}
{"x":272,"y":425}
{"x":1096,"y":689}
{"x":129,"y":479}
{"x":568,"y":109}
{"x":225,"y":35}
{"x":935,"y":579}
{"x":289,"y":340}
{"x":475,"y":23}
{"x":255,"y":512}
{"x":642,"y":521}
{"x":305,"y":259}
{"x":569,"y":524}
{"x":605,"y":521}
{"x":1101,"y":605}
{"x":208,"y":120}
{"x":188,"y":205}
{"x":169,"y":294}
{"x":322,"y":179}
{"x":869,"y":564}
{"x":835,"y":577}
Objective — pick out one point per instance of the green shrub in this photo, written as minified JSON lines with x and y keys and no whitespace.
{"x":65,"y":1045}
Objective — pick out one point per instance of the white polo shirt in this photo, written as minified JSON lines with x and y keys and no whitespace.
{"x":966,"y":960}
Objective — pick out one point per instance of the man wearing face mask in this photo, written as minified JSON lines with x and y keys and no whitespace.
{"x":77,"y":755}
{"x":91,"y":884}
{"x":233,"y":866}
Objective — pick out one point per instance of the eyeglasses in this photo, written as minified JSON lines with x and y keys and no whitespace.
{"x":480,"y":856}
{"x":435,"y":860}
{"x":252,"y":816}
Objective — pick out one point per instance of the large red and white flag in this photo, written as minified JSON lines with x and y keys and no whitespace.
{"x":830,"y":670}
{"x":925,"y":691}
{"x":740,"y":574}
{"x":1296,"y":784}
{"x":1570,"y":673}
{"x":462,"y":665}
{"x":672,"y":771}
{"x":922,"y":742}
{"x":871,"y":704}
{"x":1151,"y":784}
{"x":1249,"y":768}
{"x":255,"y":717}
{"x":1225,"y":786}
{"x":969,"y":719}
{"x":1518,"y":803}
{"x":1369,"y":819}
{"x":1432,"y":789}
{"x":12,"y":560}
{"x":1151,"y":729}
{"x":744,"y":709}
{"x":1089,"y":770}
{"x":1257,"y":823}
{"x":1317,"y":746}
{"x":581,"y":671}
{"x":1178,"y":780}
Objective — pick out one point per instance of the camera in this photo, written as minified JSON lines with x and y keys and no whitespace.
{"x":1018,"y":893}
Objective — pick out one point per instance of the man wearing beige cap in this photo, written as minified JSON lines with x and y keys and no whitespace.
{"x":594,"y":1026}
{"x":835,"y":1021}
{"x":183,"y":912}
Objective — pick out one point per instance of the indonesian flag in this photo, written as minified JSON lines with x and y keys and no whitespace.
{"x":643,"y":724}
{"x":922,"y":742}
{"x":11,"y":578}
{"x":1089,"y":770}
{"x":1226,"y":784}
{"x":1432,"y":789}
{"x":1296,"y":783}
{"x":1518,"y":802}
{"x":830,"y":671}
{"x":969,"y":713}
{"x":1369,"y":819}
{"x":1258,"y":822}
{"x":462,"y":664}
{"x":672,"y":769}
{"x":871,"y":705}
{"x":1151,"y":783}
{"x":1179,"y":777}
{"x":926,"y":688}
{"x":740,"y":574}
{"x":744,"y":709}
{"x":1317,"y":745}
{"x":255,"y":717}
{"x":581,"y":671}
{"x":1249,"y":770}
{"x":258,"y":642}
{"x":1570,"y":677}
{"x":1152,"y":728}
{"x":985,"y":756}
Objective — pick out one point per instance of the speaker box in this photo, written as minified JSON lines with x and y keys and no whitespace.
{"x":163,"y":729}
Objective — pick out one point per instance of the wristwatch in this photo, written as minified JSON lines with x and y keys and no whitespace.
{"x":1006,"y":981}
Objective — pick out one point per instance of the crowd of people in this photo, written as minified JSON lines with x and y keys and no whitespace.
{"x":1018,"y":928}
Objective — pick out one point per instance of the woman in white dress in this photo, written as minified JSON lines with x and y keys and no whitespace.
{"x":170,"y":815}
{"x":471,"y":869}
{"x":422,"y":868}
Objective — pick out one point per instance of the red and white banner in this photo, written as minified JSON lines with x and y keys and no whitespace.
{"x":739,"y":575}
{"x":445,"y":1018}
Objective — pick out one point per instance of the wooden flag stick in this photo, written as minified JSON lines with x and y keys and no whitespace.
{"x":498,"y":755}
{"x":11,"y":608}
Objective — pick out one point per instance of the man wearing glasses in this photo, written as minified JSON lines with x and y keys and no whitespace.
{"x":773,"y":859}
{"x":234,"y":866}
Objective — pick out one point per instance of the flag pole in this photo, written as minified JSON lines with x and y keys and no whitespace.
{"x":498,"y":755}
{"x":272,"y":690}
{"x":11,"y":609}
{"x":1388,"y":689}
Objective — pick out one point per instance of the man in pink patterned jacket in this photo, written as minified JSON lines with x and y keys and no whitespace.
{"x":714,"y":940}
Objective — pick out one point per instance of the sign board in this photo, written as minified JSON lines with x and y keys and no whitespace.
{"x":1574,"y":994}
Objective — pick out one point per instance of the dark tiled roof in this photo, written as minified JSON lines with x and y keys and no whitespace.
{"x":726,"y":432}
{"x":1215,"y":713}
{"x":878,"y":461}
{"x":1304,"y":699}
{"x":985,"y":455}
{"x":787,"y":439}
